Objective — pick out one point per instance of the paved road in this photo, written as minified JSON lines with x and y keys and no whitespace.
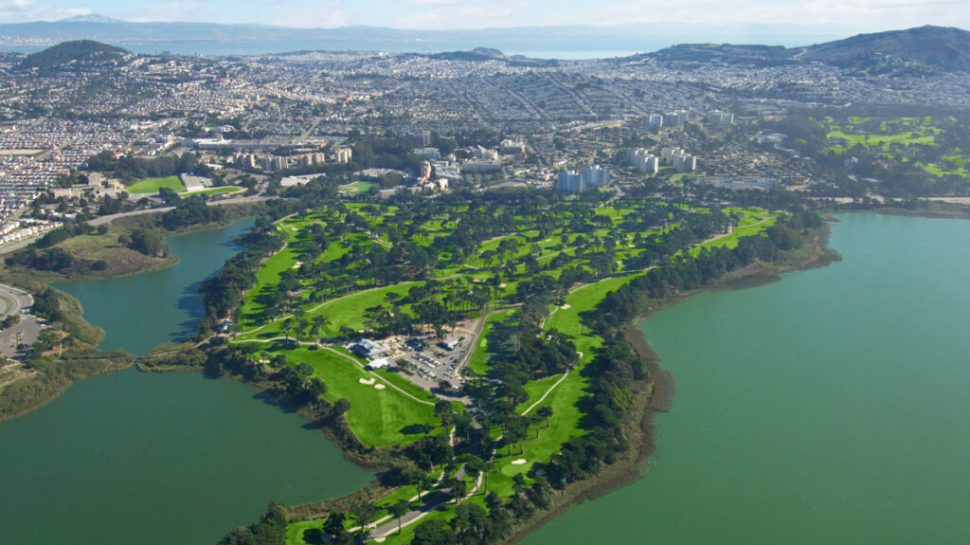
{"x":13,"y":300}
{"x":238,"y":200}
{"x":380,"y":533}
{"x":16,"y":302}
{"x":14,"y":246}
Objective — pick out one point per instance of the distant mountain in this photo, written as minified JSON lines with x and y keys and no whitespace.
{"x":73,"y":55}
{"x":484,"y":54}
{"x":90,"y":18}
{"x":753,"y":55}
{"x":570,"y":41}
{"x":947,"y":48}
{"x":922,"y":48}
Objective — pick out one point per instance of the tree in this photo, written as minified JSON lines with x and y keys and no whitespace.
{"x":319,"y":322}
{"x":433,"y":532}
{"x":315,"y":387}
{"x":424,"y":484}
{"x":334,"y":525}
{"x":342,"y":406}
{"x":543,"y":414}
{"x":445,"y":412}
{"x":398,"y":510}
{"x":364,"y":514}
{"x":147,"y":242}
{"x":474,"y":466}
{"x":458,"y":489}
{"x":518,"y":483}
{"x":471,"y":524}
{"x":516,"y":431}
{"x":287,"y":328}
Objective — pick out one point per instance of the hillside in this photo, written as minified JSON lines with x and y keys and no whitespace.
{"x":927,"y":46}
{"x":757,"y":55}
{"x":68,"y":55}
{"x":947,"y":48}
{"x":485,"y":54}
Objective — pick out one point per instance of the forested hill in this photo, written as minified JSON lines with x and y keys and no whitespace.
{"x":931,"y":47}
{"x":76,"y":54}
{"x":947,"y":48}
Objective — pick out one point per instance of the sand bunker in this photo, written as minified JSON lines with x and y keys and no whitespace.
{"x":567,"y":306}
{"x":380,"y":386}
{"x":367,"y":381}
{"x":519,"y":462}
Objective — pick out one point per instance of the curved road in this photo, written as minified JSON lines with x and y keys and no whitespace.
{"x":13,"y":300}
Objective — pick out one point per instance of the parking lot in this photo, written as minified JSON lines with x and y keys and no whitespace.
{"x":427,"y":360}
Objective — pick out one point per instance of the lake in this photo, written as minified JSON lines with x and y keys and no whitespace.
{"x":829,"y":407}
{"x":158,"y":459}
{"x":141,"y":311}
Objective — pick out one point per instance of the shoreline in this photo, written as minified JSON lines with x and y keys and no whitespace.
{"x":41,"y":389}
{"x":652,"y":396}
{"x":657,"y":394}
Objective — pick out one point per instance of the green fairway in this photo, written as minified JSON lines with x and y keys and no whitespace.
{"x":377,"y":415}
{"x":873,"y":133}
{"x":478,"y":362}
{"x":154,"y":185}
{"x":872,"y":140}
{"x":949,"y":165}
{"x":753,"y":221}
{"x":343,"y":312}
{"x":252,"y":312}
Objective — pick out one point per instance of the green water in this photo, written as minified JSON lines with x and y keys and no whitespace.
{"x":158,"y":459}
{"x":830,"y":407}
{"x":175,"y":459}
{"x":142,"y":311}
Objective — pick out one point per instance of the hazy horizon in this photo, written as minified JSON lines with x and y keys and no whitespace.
{"x":847,"y":17}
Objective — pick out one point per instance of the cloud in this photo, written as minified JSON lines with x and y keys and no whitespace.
{"x":16,"y":11}
{"x":862,"y":13}
{"x":463,"y":14}
{"x":175,"y":10}
{"x":431,"y":2}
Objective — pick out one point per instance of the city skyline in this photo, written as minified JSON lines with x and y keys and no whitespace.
{"x":849,"y":17}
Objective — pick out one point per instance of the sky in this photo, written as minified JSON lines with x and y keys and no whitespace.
{"x":857,"y":15}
